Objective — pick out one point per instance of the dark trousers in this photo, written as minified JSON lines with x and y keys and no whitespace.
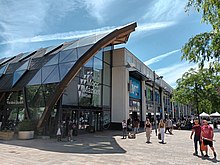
{"x":196,"y":140}
{"x":124,"y":131}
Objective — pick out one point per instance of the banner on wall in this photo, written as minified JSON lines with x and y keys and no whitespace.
{"x":135,"y":88}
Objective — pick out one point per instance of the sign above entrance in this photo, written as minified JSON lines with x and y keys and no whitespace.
{"x":135,"y":91}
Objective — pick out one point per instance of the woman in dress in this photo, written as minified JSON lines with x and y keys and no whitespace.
{"x":161,"y":130}
{"x":148,"y":129}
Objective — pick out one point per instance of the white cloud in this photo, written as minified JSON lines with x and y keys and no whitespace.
{"x":59,"y":36}
{"x":162,"y":10}
{"x":174,"y":72}
{"x":153,"y":26}
{"x":160,"y":57}
{"x":78,"y":34}
{"x":97,"y":8}
{"x":21,"y":19}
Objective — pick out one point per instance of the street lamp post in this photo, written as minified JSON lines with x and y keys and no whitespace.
{"x":197,"y":101}
{"x":154,"y":103}
{"x":154,"y":100}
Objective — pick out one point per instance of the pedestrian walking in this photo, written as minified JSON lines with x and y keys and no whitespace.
{"x":124,"y":129}
{"x":161,"y":130}
{"x":70,"y":131}
{"x":196,"y":131}
{"x":207,"y":135}
{"x":148,"y":129}
{"x":136,"y":125}
{"x":59,"y":134}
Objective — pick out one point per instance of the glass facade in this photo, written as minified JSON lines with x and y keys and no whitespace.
{"x":68,"y":82}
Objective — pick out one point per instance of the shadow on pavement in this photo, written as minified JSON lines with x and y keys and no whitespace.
{"x":96,"y":143}
{"x":213,"y":160}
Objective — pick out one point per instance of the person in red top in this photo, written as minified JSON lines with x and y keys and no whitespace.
{"x":207,"y":135}
{"x":196,"y":130}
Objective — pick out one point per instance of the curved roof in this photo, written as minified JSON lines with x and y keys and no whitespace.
{"x":41,"y":66}
{"x":117,"y":36}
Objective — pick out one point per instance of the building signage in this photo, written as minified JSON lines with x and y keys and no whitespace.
{"x":135,"y":88}
{"x":87,"y":86}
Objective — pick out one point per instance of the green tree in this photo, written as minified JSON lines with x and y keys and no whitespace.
{"x":199,"y":89}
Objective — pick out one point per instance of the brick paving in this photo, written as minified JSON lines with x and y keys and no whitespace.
{"x":107,"y":148}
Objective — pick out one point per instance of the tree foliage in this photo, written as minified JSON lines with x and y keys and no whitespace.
{"x":205,"y":47}
{"x":201,"y":89}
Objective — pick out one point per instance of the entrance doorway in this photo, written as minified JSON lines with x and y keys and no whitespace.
{"x":86,"y":121}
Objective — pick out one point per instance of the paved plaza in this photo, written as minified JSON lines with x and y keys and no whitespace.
{"x":106,"y":147}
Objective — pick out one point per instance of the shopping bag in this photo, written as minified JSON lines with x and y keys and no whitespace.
{"x":203,"y":147}
{"x":159,"y":136}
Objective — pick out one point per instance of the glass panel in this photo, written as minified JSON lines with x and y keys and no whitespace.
{"x":89,"y":64}
{"x":107,"y":57}
{"x":49,"y":89}
{"x":36,"y":79}
{"x":17,"y":76}
{"x":53,"y":61}
{"x":85,"y":89}
{"x":15,"y":98}
{"x":53,"y":77}
{"x":13,"y":114}
{"x":35,"y":98}
{"x":100,"y":36}
{"x":106,"y":96}
{"x":97,"y":64}
{"x":46,"y":71}
{"x":106,"y":119}
{"x":36,"y":112}
{"x":82,"y":50}
{"x":70,"y":96}
{"x":2,"y":70}
{"x":107,"y":48}
{"x":49,"y":49}
{"x":96,"y":98}
{"x":64,"y":54}
{"x":24,"y":66}
{"x":106,"y":74}
{"x":87,"y":40}
{"x":72,"y":46}
{"x":70,"y":57}
{"x":64,"y":68}
{"x":21,"y":114}
{"x":99,"y":54}
{"x":97,"y":76}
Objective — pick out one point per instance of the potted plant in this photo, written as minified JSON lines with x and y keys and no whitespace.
{"x":6,"y":134}
{"x":26,"y":129}
{"x":7,"y":131}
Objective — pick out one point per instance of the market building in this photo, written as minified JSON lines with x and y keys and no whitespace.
{"x":85,"y":81}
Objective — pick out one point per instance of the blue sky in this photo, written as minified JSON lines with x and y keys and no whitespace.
{"x":163,"y":27}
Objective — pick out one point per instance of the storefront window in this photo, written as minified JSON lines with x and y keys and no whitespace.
{"x":106,"y":96}
{"x":97,"y":70}
{"x":106,"y":119}
{"x":107,"y":74}
{"x":96,"y":97}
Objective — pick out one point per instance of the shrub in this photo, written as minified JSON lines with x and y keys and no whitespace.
{"x":27,"y":125}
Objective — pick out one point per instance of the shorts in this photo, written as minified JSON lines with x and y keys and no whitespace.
{"x":208,"y":142}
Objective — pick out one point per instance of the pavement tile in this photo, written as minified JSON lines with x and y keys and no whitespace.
{"x":105,"y":148}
